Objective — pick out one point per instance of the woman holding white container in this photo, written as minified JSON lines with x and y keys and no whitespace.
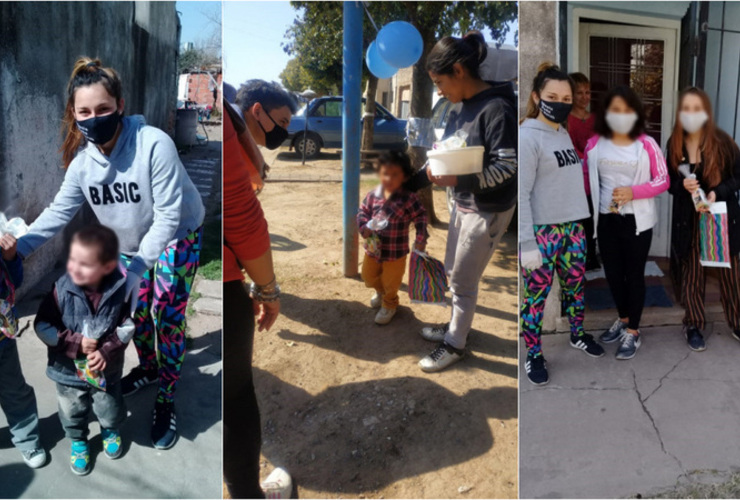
{"x":484,"y":201}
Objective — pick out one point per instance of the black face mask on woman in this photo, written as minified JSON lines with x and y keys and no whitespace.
{"x":275,"y":137}
{"x":100,"y":129}
{"x":555,"y":111}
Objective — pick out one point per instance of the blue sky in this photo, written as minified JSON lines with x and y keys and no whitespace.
{"x":253,"y":33}
{"x":195,"y":25}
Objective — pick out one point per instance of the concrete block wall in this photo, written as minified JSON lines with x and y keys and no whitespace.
{"x":39,"y":43}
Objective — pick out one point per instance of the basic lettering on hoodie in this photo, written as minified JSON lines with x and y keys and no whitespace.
{"x":567,"y":157}
{"x":117,"y":192}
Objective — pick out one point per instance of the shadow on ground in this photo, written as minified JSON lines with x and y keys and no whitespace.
{"x":382,"y":344}
{"x":350,"y":450}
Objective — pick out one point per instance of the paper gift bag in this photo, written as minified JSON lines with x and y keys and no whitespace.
{"x":714,"y":236}
{"x":427,"y":279}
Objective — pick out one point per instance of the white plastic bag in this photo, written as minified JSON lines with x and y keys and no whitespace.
{"x":15,"y":226}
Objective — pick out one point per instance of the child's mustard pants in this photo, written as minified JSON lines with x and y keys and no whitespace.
{"x":385,"y":277}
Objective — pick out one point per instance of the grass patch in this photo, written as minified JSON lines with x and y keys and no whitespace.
{"x":210,"y":255}
{"x":191,"y":300}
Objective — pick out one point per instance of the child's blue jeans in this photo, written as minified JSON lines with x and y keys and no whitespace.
{"x":17,"y":399}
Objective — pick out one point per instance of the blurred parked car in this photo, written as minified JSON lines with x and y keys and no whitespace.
{"x":325,"y":127}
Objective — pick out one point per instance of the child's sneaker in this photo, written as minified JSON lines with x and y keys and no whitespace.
{"x":278,"y":484}
{"x":435,"y":333}
{"x":164,"y":427}
{"x":35,"y":458}
{"x":80,"y":458}
{"x":384,"y":316}
{"x":375,"y":302}
{"x":111,"y":443}
{"x":137,"y":379}
{"x":586,"y":343}
{"x":631,"y":342}
{"x":536,"y":367}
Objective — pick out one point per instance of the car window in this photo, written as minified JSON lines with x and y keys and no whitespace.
{"x":439,"y":116}
{"x":380,"y":114}
{"x":333,"y":109}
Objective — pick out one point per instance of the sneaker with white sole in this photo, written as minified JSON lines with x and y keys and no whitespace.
{"x":440,"y":358}
{"x":586,"y":343}
{"x":375,"y":302}
{"x":278,"y":484}
{"x":435,"y":333}
{"x":630,"y":344}
{"x":614,"y":332}
{"x":35,"y":458}
{"x":138,"y":378}
{"x":384,"y":316}
{"x":164,"y":427}
{"x":536,"y":367}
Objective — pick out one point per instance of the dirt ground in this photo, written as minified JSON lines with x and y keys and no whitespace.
{"x":344,"y":406}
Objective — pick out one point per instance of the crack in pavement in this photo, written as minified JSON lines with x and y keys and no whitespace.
{"x":561,"y":388}
{"x":652,"y":421}
{"x":662,"y":379}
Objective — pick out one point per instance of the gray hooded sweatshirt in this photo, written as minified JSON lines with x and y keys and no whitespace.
{"x":142,"y":192}
{"x":551,"y":189}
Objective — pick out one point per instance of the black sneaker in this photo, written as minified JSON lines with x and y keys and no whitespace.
{"x":164,"y":427}
{"x":587,"y":344}
{"x":536,"y":367}
{"x":137,"y":379}
{"x":695,"y":339}
{"x":614,"y":332}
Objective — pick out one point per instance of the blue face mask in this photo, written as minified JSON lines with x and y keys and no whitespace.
{"x":100,"y":129}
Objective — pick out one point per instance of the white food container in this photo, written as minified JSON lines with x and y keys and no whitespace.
{"x":460,"y":161}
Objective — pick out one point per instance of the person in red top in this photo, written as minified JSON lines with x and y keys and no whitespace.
{"x":581,"y":129}
{"x":246,"y":247}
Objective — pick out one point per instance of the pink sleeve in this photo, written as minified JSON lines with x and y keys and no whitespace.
{"x":658,"y":172}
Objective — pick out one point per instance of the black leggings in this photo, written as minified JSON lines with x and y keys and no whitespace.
{"x":242,"y":429}
{"x":624,"y":255}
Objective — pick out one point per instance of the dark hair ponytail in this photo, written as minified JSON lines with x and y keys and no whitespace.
{"x":86,"y":72}
{"x":470,"y":51}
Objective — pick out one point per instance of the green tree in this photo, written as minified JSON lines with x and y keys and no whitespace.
{"x":315,"y":39}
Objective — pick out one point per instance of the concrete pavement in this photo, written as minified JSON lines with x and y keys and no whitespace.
{"x":604,"y":428}
{"x":192,"y":469}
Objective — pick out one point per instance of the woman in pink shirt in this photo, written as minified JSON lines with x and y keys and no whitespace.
{"x":581,"y":129}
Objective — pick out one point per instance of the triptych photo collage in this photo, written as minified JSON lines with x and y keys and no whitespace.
{"x":369,"y":249}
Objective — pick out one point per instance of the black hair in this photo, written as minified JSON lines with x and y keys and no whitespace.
{"x":632,"y":100}
{"x":470,"y":51}
{"x":397,"y":158}
{"x":269,"y":94}
{"x":99,"y":236}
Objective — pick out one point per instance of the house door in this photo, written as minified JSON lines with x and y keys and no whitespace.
{"x":643,"y":58}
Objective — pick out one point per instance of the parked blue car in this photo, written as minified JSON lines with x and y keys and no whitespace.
{"x":325,"y":127}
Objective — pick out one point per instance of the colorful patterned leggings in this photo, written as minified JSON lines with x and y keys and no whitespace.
{"x":563,"y":248}
{"x":162,"y":308}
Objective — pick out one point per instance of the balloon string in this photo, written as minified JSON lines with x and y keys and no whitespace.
{"x":364,"y":4}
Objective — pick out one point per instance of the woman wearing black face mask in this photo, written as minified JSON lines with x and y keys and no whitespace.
{"x":132,"y":178}
{"x":267,"y":110}
{"x":552,"y":202}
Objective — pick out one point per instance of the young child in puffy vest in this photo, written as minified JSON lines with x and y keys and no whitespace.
{"x":85,"y":322}
{"x":383,"y":220}
{"x":17,"y":398}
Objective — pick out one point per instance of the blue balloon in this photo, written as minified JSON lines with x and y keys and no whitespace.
{"x":400,"y":44}
{"x":376,"y":64}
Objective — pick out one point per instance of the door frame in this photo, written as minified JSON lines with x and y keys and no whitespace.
{"x":670,"y":32}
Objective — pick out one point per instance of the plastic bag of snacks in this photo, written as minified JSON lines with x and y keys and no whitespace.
{"x":15,"y":226}
{"x":456,"y":141}
{"x":714,"y":236}
{"x":93,"y":377}
{"x":427,"y":279}
{"x":372,"y":242}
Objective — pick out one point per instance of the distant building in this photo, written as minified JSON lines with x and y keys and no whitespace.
{"x":186,"y":46}
{"x":201,"y":87}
